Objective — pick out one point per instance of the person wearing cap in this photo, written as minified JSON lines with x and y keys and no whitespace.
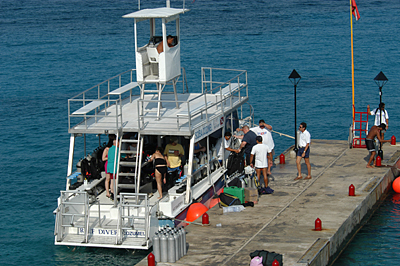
{"x":375,"y":132}
{"x":174,"y":151}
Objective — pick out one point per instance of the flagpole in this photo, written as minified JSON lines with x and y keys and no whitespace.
{"x":352,"y":60}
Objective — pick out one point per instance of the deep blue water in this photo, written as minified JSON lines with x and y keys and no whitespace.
{"x":51,"y":50}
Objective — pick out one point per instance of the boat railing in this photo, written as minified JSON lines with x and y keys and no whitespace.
{"x":133,"y":207}
{"x":93,"y":102}
{"x":221,"y":95}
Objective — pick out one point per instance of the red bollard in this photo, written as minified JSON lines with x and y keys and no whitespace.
{"x":151,"y":261}
{"x":205,"y":219}
{"x":282,"y":159}
{"x":275,"y":263}
{"x":318,"y":225}
{"x":378,"y":161}
{"x":393,"y":140}
{"x":352,"y":190}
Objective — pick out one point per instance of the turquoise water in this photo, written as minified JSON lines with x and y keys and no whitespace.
{"x":53,"y":49}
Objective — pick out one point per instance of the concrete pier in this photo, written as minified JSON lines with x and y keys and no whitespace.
{"x":283,"y":222}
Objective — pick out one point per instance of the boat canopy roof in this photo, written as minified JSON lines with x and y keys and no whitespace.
{"x":162,"y":12}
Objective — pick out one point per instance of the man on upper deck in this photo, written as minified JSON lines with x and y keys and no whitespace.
{"x":160,"y":46}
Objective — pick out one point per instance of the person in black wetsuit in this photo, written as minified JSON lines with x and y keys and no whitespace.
{"x":161,"y":164}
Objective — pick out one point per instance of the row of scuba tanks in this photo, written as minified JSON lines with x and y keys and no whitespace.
{"x":169,"y":244}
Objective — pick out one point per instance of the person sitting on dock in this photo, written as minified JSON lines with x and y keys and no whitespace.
{"x":248,"y":141}
{"x":375,"y":132}
{"x":260,"y":152}
{"x":304,"y":151}
{"x":160,"y":46}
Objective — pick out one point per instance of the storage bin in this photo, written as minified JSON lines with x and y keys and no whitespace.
{"x":235,"y":191}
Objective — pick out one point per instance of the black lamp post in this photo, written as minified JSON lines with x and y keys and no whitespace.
{"x":380,"y":80}
{"x":295,"y":78}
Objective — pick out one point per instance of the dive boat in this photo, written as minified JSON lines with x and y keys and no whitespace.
{"x":146,"y":107}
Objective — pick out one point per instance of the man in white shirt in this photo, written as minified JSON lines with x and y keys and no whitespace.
{"x":261,"y":161}
{"x":226,"y":140}
{"x":304,"y":151}
{"x":264,"y":130}
{"x":380,"y":119}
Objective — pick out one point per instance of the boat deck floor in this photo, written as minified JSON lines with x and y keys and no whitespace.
{"x":172,"y":120}
{"x":283,"y":222}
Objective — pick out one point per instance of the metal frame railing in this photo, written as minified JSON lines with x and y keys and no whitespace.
{"x":192,"y":112}
{"x":135,"y":201}
{"x":100,"y":92}
{"x":74,"y":200}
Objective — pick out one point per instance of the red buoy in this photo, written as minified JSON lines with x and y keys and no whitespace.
{"x":151,"y":261}
{"x":205,"y":219}
{"x":275,"y":263}
{"x":393,"y":140}
{"x":318,"y":225}
{"x":352,"y":190}
{"x":282,"y":158}
{"x":378,"y":161}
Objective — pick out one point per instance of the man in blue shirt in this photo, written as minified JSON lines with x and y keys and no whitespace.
{"x":248,"y":141}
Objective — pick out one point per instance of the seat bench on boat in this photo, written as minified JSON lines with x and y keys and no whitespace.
{"x":123,"y":89}
{"x":89,"y":107}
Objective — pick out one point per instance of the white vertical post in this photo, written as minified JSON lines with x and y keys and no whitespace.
{"x":190,"y":170}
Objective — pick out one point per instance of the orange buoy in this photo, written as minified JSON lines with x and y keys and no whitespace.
{"x":378,"y":161}
{"x":396,"y":185}
{"x":195,"y":211}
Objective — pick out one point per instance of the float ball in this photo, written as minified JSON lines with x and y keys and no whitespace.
{"x":396,"y":185}
{"x":195,"y":211}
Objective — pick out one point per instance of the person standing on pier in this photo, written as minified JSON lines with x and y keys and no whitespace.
{"x":304,"y":151}
{"x":248,"y":141}
{"x":375,"y":132}
{"x":381,"y":116}
{"x":264,"y":130}
{"x":260,"y":152}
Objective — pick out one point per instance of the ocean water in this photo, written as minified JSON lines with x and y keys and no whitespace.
{"x":50,"y":50}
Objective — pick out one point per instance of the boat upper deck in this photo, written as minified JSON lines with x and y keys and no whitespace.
{"x":114,"y":105}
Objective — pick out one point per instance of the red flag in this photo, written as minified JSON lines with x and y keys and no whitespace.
{"x":355,"y":9}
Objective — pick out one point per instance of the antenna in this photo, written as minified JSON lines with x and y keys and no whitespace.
{"x":138,"y":4}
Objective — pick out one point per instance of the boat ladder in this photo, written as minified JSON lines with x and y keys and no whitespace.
{"x":129,"y":166}
{"x":133,"y":218}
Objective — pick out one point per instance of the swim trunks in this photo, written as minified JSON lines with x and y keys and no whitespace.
{"x":370,"y":144}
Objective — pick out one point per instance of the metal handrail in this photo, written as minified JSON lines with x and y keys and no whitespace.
{"x":190,"y":115}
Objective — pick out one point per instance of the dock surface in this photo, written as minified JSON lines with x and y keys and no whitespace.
{"x":283,"y":222}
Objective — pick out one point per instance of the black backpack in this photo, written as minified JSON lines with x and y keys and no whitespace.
{"x":235,"y":163}
{"x":229,"y":200}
